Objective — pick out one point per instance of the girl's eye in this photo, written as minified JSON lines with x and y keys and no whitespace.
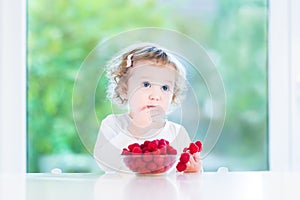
{"x":146,"y":84}
{"x":165,"y":88}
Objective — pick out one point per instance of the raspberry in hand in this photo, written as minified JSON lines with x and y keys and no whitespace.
{"x":190,"y":161}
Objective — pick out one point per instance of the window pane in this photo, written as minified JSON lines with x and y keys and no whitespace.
{"x":61,"y":34}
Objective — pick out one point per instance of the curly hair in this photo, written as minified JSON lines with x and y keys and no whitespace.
{"x":117,"y":70}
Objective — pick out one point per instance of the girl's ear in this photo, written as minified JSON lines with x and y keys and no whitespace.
{"x":173,"y":97}
{"x":123,"y":89}
{"x":124,"y":93}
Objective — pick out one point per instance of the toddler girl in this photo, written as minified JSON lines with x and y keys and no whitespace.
{"x":149,"y":80}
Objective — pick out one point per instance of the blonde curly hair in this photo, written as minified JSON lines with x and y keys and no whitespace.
{"x":117,"y":70}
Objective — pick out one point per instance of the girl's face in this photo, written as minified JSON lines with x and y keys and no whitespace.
{"x":150,"y":86}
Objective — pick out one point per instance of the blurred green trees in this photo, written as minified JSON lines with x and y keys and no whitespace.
{"x":62,"y":33}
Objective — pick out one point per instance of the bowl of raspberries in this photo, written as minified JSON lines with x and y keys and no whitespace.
{"x":154,"y":157}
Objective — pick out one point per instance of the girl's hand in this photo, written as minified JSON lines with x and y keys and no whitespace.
{"x":157,"y":115}
{"x":194,"y":164}
{"x":146,"y":120}
{"x":149,"y":118}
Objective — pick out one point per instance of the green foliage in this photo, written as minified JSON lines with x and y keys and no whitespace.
{"x":62,"y":33}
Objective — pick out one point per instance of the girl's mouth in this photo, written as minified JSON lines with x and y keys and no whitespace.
{"x":148,"y":106}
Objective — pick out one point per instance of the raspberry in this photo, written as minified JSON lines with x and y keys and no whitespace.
{"x":163,"y":150}
{"x":193,"y":148}
{"x":152,"y":146}
{"x":162,"y":142}
{"x":159,"y":160}
{"x":159,"y":170}
{"x":181,"y":166}
{"x":171,"y":150}
{"x":125,"y":152}
{"x":145,"y":149}
{"x":151,"y":166}
{"x":185,"y":157}
{"x":127,"y":161}
{"x":137,"y":150}
{"x":131,"y":146}
{"x":146,"y":143}
{"x":157,"y":152}
{"x":132,"y":166}
{"x":139,"y":163}
{"x":199,"y":144}
{"x":185,"y":149}
{"x":147,"y":157}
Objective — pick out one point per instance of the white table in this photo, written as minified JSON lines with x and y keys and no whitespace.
{"x":221,"y":186}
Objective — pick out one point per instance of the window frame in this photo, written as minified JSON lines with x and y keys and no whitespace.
{"x":283,"y":38}
{"x":13,"y":86}
{"x":283,"y":30}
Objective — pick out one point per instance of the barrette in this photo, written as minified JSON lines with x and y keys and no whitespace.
{"x":129,"y":61}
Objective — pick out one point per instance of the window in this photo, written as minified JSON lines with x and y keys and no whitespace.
{"x":12,"y":86}
{"x":233,"y":33}
{"x":283,"y":32}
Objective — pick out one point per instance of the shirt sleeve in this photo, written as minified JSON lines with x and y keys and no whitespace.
{"x":108,"y":147}
{"x":181,"y":140}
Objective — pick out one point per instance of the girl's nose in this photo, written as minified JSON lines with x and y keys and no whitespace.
{"x":155,"y":93}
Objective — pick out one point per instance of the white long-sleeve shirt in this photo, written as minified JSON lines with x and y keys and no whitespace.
{"x":113,"y":136}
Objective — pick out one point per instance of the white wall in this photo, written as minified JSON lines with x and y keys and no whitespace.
{"x":12,"y":86}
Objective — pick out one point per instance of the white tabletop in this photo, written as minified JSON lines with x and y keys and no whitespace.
{"x":231,"y":185}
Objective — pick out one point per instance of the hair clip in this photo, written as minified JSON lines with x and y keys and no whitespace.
{"x":129,"y":61}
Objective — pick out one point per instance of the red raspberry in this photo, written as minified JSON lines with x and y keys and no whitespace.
{"x":151,"y":166}
{"x":185,"y":149}
{"x":171,"y":150}
{"x":181,"y":166}
{"x":125,"y":152}
{"x":159,"y":170}
{"x":132,"y":166}
{"x":146,"y":143}
{"x":158,"y":160}
{"x":153,"y":146}
{"x":137,"y":150}
{"x":193,"y":148}
{"x":199,"y":144}
{"x":162,"y":142}
{"x":147,"y":157}
{"x":157,"y":152}
{"x":184,"y":157}
{"x":131,"y":146}
{"x":139,"y":163}
{"x":163,"y":150}
{"x":127,"y":160}
{"x":145,"y":149}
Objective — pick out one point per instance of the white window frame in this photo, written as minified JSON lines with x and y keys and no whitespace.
{"x":295,"y":82}
{"x":284,"y":142}
{"x":284,"y":34}
{"x":12,"y":86}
